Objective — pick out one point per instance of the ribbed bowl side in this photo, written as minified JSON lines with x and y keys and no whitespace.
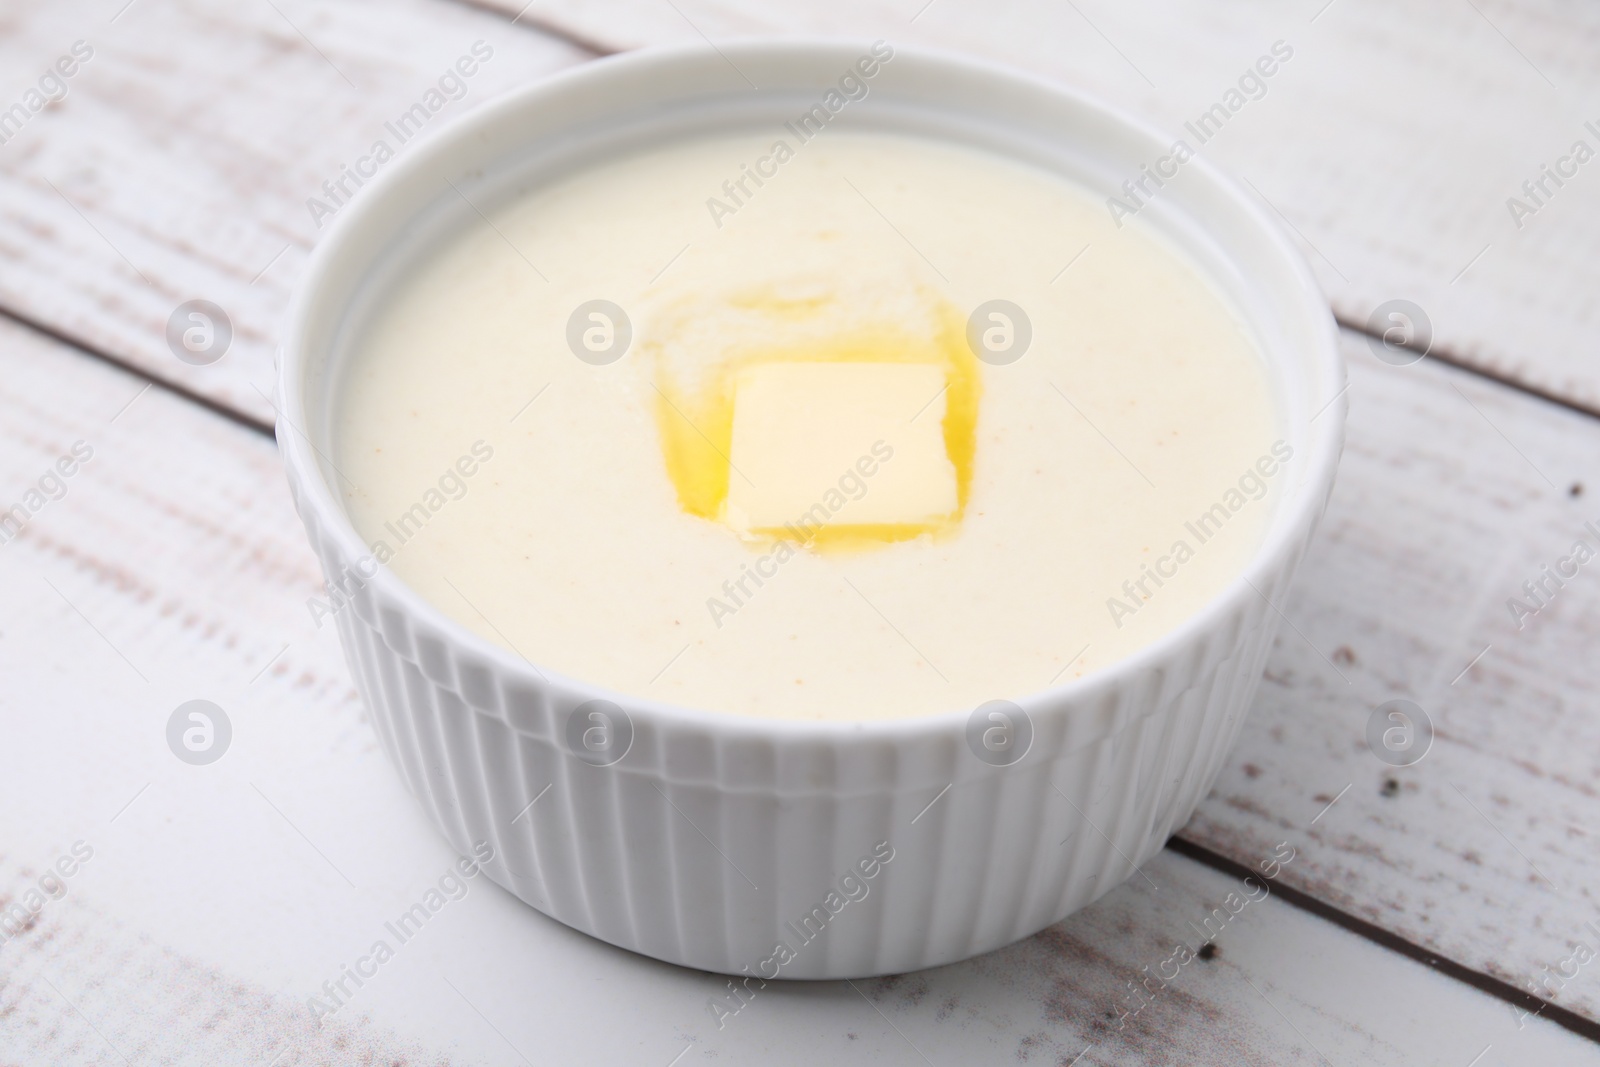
{"x":709,"y":848}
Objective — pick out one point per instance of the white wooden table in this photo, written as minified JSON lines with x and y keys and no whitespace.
{"x":1440,"y":913}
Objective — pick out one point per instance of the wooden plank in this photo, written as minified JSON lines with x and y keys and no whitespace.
{"x":1390,"y":201}
{"x":1451,"y":495}
{"x":180,"y":162}
{"x":1406,"y":874}
{"x":217,"y":899}
{"x":1391,"y":141}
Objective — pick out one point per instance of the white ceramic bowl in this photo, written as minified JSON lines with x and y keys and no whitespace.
{"x":716,"y":838}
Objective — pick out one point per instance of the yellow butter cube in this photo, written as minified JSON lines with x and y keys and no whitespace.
{"x":822,"y":446}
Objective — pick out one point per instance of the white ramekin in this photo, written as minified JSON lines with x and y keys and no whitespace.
{"x":714,"y":838}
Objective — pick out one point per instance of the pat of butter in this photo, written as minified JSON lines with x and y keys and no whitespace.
{"x":834,"y":444}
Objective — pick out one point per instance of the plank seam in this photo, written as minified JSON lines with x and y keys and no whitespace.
{"x":1443,"y":355}
{"x":540,"y":24}
{"x":216,"y":407}
{"x":1484,"y":983}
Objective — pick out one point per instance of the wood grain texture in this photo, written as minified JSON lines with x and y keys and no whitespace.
{"x":1451,"y":494}
{"x":217,"y":899}
{"x":179,"y":164}
{"x":1390,"y":142}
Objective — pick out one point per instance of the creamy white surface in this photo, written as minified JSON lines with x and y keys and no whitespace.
{"x":1139,"y":404}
